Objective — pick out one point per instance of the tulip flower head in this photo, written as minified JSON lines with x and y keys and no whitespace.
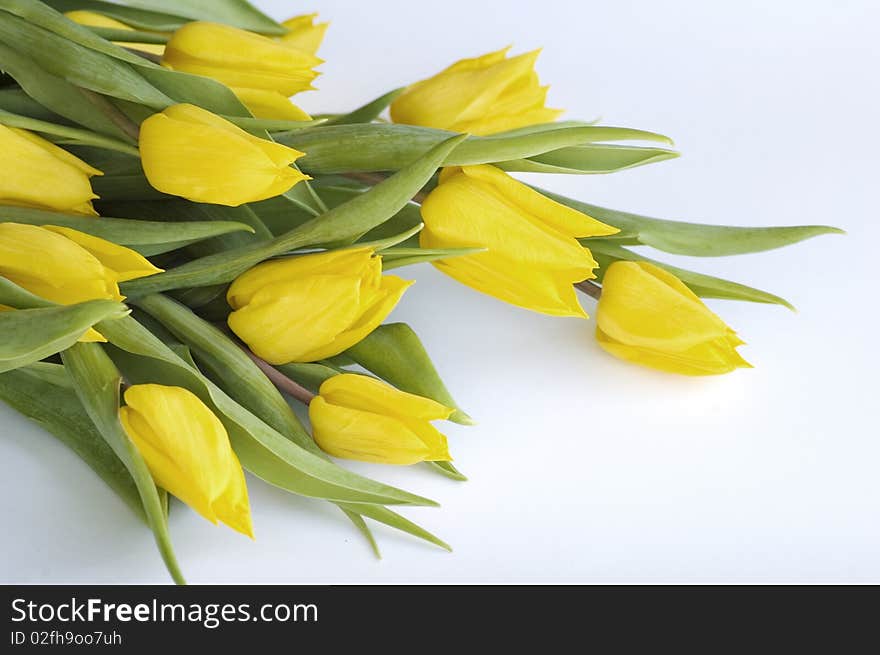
{"x":67,"y":266}
{"x":358,"y":417}
{"x":483,"y":95}
{"x":188,"y":452}
{"x":189,"y":152}
{"x":240,"y":59}
{"x":532,"y":256}
{"x":310,"y":307}
{"x":648,"y":316}
{"x":37,"y":173}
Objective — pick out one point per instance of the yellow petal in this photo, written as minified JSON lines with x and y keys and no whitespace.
{"x":239,"y":58}
{"x":304,"y":33}
{"x":125,"y":263}
{"x":37,"y":173}
{"x":187,"y":451}
{"x":270,"y":105}
{"x":368,"y":437}
{"x":189,"y":152}
{"x":52,"y":266}
{"x":372,"y":395}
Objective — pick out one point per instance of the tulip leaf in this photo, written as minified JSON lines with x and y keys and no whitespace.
{"x":15,"y":101}
{"x":395,"y":520}
{"x":368,"y":112}
{"x":447,"y":469}
{"x":80,"y":65}
{"x":66,"y":134}
{"x":13,"y":295}
{"x":694,"y":239}
{"x":30,"y":335}
{"x":261,"y":449}
{"x":589,"y":159}
{"x":44,"y":393}
{"x":138,"y":18}
{"x":388,"y":147}
{"x":147,"y":237}
{"x":545,"y":127}
{"x":97,"y":383}
{"x":237,"y":13}
{"x":397,"y":257}
{"x":55,"y":93}
{"x":344,"y":223}
{"x":607,"y":252}
{"x":395,"y":353}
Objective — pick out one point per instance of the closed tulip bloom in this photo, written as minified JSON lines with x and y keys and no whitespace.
{"x":93,"y":19}
{"x":37,"y":173}
{"x":304,"y":34}
{"x":188,"y":452}
{"x":189,"y":152}
{"x":532,"y":256}
{"x":240,"y":59}
{"x":358,"y":417}
{"x":306,"y":308}
{"x":67,"y":266}
{"x":648,"y":316}
{"x":483,"y":95}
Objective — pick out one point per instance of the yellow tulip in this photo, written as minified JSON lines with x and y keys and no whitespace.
{"x":67,"y":266}
{"x":483,"y":95}
{"x":188,"y":452}
{"x":189,"y":152}
{"x":93,"y":19}
{"x":240,"y":59}
{"x":306,"y":308}
{"x":358,"y":417}
{"x":37,"y":173}
{"x":303,"y":33}
{"x":648,"y":316}
{"x":532,"y":256}
{"x":270,"y":105}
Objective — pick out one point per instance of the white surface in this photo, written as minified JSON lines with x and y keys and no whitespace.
{"x":583,"y":468}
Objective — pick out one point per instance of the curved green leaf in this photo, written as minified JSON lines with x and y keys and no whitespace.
{"x":238,"y":13}
{"x":30,"y":335}
{"x":589,"y":159}
{"x":368,"y":112}
{"x":97,"y":383}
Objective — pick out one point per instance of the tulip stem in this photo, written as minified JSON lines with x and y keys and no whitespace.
{"x":112,"y":112}
{"x":590,"y":288}
{"x":280,"y":380}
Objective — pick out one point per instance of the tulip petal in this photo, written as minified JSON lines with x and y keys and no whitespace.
{"x":270,"y":105}
{"x":304,"y":33}
{"x":369,"y":394}
{"x":125,"y":263}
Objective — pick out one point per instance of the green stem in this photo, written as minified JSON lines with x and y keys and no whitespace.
{"x":84,"y":137}
{"x":129,"y":36}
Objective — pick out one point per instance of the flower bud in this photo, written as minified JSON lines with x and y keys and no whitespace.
{"x":37,"y":173}
{"x":359,"y":417}
{"x":483,"y":95}
{"x":532,"y":256}
{"x":648,"y":316}
{"x":306,"y":308}
{"x":188,"y":452}
{"x":189,"y":152}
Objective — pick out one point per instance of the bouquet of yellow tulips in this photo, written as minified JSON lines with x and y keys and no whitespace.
{"x":185,"y":253}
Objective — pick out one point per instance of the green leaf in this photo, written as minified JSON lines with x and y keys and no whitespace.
{"x":388,"y":147}
{"x":44,"y":393}
{"x":67,"y":134}
{"x":77,"y":64}
{"x":368,"y":112}
{"x":138,"y":18}
{"x":311,"y":376}
{"x":447,"y":469}
{"x":395,"y":353}
{"x":30,"y":335}
{"x":695,"y":239}
{"x":344,"y":223}
{"x":705,"y":286}
{"x":391,"y":518}
{"x":15,"y":101}
{"x":97,"y":382}
{"x":589,"y":159}
{"x":262,"y":450}
{"x":55,"y":93}
{"x":147,"y":237}
{"x":237,"y":13}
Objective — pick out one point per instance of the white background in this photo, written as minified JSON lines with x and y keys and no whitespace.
{"x":583,"y":468}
